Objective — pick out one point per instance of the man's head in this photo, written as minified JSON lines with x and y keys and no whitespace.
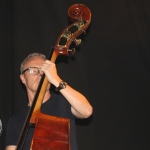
{"x":30,"y":71}
{"x":27,"y":58}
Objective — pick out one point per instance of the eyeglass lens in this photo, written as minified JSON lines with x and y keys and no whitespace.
{"x":34,"y":70}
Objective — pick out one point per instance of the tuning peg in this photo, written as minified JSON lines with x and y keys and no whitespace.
{"x":72,"y":51}
{"x":84,"y":32}
{"x":77,"y":41}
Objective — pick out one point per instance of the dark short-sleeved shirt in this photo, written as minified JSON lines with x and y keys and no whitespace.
{"x":57,"y":105}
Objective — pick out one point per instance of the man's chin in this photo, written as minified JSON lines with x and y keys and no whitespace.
{"x":36,"y":88}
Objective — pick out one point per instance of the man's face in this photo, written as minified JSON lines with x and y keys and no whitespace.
{"x":32,"y":81}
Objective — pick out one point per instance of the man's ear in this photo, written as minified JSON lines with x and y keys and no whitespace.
{"x":22,"y":79}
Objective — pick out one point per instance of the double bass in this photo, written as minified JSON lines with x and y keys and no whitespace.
{"x":51,"y":132}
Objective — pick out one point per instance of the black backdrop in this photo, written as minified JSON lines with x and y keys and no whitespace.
{"x":111,"y":66}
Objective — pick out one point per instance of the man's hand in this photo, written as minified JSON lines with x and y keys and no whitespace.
{"x":50,"y":71}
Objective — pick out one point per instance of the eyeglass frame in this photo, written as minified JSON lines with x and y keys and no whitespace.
{"x":39,"y":69}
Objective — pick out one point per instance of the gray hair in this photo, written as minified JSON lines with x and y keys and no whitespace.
{"x":29,"y":56}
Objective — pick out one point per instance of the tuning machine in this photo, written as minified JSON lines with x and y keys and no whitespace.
{"x":77,"y":41}
{"x":71,"y":51}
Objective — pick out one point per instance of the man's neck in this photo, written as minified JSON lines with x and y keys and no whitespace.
{"x":31,"y":97}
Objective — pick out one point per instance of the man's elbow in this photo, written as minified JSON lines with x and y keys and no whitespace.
{"x":89,"y":112}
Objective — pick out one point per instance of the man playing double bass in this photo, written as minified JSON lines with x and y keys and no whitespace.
{"x":69,"y":103}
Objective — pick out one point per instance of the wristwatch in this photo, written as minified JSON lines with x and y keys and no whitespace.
{"x":62,"y":85}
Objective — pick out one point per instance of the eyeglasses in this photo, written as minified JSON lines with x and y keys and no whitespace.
{"x":33,"y":70}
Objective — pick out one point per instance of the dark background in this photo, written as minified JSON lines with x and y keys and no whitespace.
{"x":111,"y":66}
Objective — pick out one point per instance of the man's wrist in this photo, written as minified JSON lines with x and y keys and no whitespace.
{"x":62,"y":85}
